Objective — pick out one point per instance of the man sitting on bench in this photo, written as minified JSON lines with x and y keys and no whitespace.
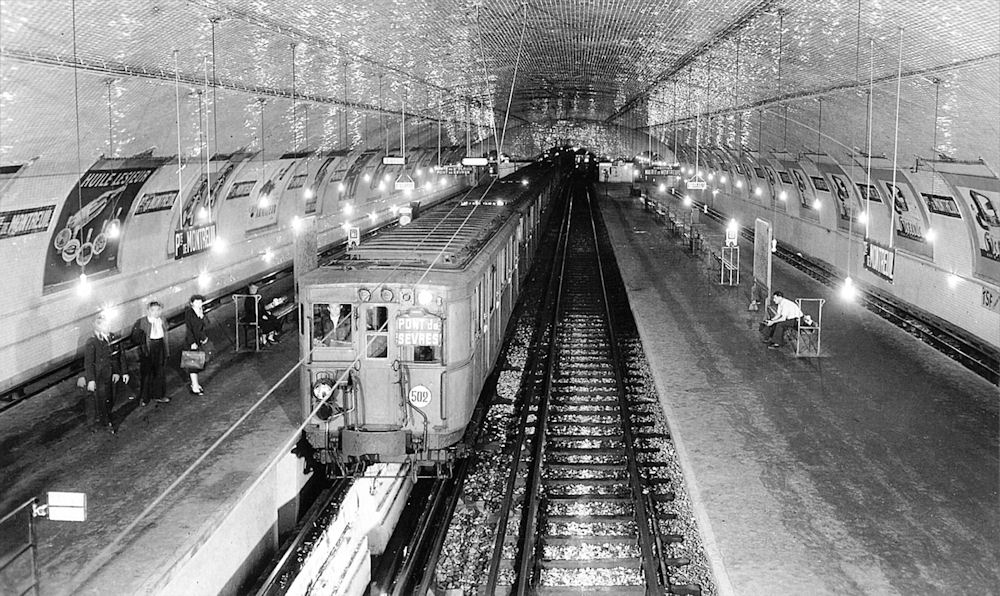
{"x":270,"y":326}
{"x":786,"y":316}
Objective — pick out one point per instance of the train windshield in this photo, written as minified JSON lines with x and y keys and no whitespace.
{"x":377,"y":332}
{"x":332,"y":325}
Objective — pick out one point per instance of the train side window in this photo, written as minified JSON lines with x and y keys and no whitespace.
{"x":332,"y":325}
{"x":377,"y":331}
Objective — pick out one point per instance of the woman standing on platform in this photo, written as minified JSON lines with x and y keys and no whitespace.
{"x":196,"y":337}
{"x":103,"y":367}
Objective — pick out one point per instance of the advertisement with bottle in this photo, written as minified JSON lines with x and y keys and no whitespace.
{"x":91,"y":223}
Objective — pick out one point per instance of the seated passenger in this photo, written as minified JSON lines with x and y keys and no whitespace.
{"x":270,"y":326}
{"x":786,"y":316}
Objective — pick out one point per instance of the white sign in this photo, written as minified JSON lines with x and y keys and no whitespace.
{"x":697,"y":185}
{"x":393,"y":160}
{"x":991,"y":299}
{"x":405,"y":185}
{"x":353,"y":236}
{"x":65,"y":506}
{"x":475,"y":161}
{"x":420,"y":396}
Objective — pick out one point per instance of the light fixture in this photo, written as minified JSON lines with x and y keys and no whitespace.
{"x":219,"y":245}
{"x":425,"y":297}
{"x":202,"y":213}
{"x":114,"y":230}
{"x":83,"y":287}
{"x":863,"y":217}
{"x":268,"y":255}
{"x":817,"y":204}
{"x":204,"y":280}
{"x":308,"y":192}
{"x":524,"y":181}
{"x":264,"y":201}
{"x":296,"y":224}
{"x":348,"y":209}
{"x":757,"y":191}
{"x":953,"y":280}
{"x":346,"y":227}
{"x":663,"y":187}
{"x":848,"y":291}
{"x":930,"y":235}
{"x":687,"y":201}
{"x":368,"y":177}
{"x":739,"y":184}
{"x":722,"y":179}
{"x":783,"y":196}
{"x":372,"y":216}
{"x":341,"y":187}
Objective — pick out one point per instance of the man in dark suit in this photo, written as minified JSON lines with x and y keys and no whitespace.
{"x":103,"y":368}
{"x":149,"y":334}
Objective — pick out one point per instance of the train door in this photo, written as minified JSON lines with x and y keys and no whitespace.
{"x":379,"y":374}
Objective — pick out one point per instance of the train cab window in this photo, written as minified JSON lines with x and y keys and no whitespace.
{"x":377,"y":331}
{"x":332,"y":325}
{"x":424,"y":354}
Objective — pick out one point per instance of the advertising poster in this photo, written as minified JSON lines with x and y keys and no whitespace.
{"x":844,"y":199}
{"x":807,"y":199}
{"x":263,"y":210}
{"x":92,"y":221}
{"x":984,"y":204}
{"x":911,"y":220}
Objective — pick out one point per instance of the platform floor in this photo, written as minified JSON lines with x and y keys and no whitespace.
{"x":871,"y":470}
{"x":45,"y":445}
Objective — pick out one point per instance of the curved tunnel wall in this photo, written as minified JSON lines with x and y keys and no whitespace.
{"x":930,"y":236}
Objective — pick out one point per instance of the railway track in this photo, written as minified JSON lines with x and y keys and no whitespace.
{"x":579,"y":511}
{"x":969,"y":351}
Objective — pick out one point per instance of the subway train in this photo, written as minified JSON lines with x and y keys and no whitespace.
{"x":400,"y":334}
{"x":119,"y":235}
{"x":927,"y":233}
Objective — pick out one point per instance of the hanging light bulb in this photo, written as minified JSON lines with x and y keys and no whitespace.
{"x":308,"y":193}
{"x":817,"y":204}
{"x":219,"y":245}
{"x":722,"y":179}
{"x":739,"y":184}
{"x":83,"y":286}
{"x":930,"y":235}
{"x":202,"y":213}
{"x":341,"y":187}
{"x":848,"y":291}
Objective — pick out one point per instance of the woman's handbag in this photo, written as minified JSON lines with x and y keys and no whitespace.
{"x":193,"y":360}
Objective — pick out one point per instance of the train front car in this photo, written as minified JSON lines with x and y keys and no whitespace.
{"x":399,"y":336}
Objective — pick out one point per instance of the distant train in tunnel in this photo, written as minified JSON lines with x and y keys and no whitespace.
{"x":121,"y":234}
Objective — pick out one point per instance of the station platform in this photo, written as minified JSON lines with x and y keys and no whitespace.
{"x":872,"y":469}
{"x":249,"y":481}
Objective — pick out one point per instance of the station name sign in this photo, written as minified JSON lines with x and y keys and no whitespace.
{"x":394,"y":160}
{"x":880,"y":260}
{"x":418,"y":331}
{"x":697,"y":185}
{"x":191,"y":241}
{"x":453,"y":170}
{"x":25,"y":221}
{"x":658,"y":172}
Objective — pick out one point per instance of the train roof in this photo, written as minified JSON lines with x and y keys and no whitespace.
{"x":450,"y":234}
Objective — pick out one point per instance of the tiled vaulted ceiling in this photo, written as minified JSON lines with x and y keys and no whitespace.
{"x":644,"y":64}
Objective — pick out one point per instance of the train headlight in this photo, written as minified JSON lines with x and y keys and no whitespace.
{"x":364,"y":294}
{"x":386,"y":295}
{"x":322,"y":390}
{"x":425,"y":297}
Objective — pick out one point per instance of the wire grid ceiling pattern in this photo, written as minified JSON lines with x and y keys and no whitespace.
{"x":636,"y":63}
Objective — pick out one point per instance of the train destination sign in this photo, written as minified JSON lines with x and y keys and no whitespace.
{"x":418,"y":331}
{"x":697,"y":184}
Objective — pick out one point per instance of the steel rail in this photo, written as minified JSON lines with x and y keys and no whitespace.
{"x":531,"y":367}
{"x":649,"y":560}
{"x":525,"y":567}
